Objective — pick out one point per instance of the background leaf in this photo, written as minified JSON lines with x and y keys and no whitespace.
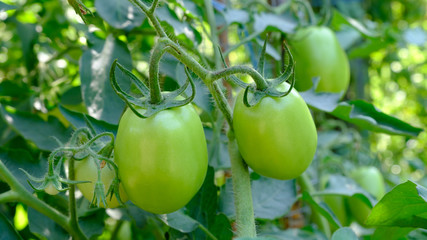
{"x":119,"y":14}
{"x":34,"y":128}
{"x":101,"y":100}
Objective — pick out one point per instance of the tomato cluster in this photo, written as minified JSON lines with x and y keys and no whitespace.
{"x":162,"y":159}
{"x":85,"y":170}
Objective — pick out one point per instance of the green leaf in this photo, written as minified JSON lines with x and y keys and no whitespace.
{"x":7,"y":229}
{"x":322,"y":209}
{"x":119,"y":14}
{"x":16,"y":159}
{"x":43,"y":226}
{"x":370,"y":46}
{"x":6,"y":7}
{"x":339,"y":19}
{"x":77,"y":119}
{"x":366,"y":116}
{"x":217,"y":148}
{"x":93,"y":224}
{"x":404,"y":206}
{"x":359,"y":113}
{"x":222,"y":228}
{"x":344,"y":233}
{"x":342,"y":186}
{"x":101,"y":100}
{"x":272,"y":198}
{"x":35,"y":129}
{"x":391,"y":233}
{"x":28,"y":35}
{"x":269,"y":21}
{"x":180,"y":221}
{"x":177,"y":26}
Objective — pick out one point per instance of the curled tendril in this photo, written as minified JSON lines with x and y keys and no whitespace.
{"x":169,"y":99}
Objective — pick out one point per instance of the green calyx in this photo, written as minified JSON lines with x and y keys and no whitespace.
{"x":166,"y":100}
{"x":254,"y":93}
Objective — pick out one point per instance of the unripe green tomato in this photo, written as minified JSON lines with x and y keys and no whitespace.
{"x":277,"y":137}
{"x":370,"y":179}
{"x":162,"y":159}
{"x":338,"y":207}
{"x":50,"y":189}
{"x":86,"y":170}
{"x":317,"y":53}
{"x":336,"y":203}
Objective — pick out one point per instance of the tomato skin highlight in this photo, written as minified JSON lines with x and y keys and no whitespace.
{"x":162,"y":159}
{"x":317,"y":53}
{"x":277,"y":137}
{"x":86,"y":170}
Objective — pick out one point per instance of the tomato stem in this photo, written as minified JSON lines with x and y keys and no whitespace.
{"x":155,"y":91}
{"x":245,"y":220}
{"x":73,"y":220}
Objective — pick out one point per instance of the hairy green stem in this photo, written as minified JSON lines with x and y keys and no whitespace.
{"x":307,"y":186}
{"x":18,"y":193}
{"x":245,"y":220}
{"x":153,"y":6}
{"x":150,"y":14}
{"x":210,"y":76}
{"x":153,"y":73}
{"x":221,"y":102}
{"x":73,"y":220}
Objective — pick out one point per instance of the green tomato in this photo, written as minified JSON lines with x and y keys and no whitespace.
{"x":370,"y":179}
{"x":86,"y":170}
{"x":162,"y":159}
{"x":317,"y":53}
{"x":336,"y":203}
{"x":50,"y":189}
{"x":277,"y":137}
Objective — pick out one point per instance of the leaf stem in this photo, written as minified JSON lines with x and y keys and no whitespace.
{"x":208,"y":233}
{"x":307,"y":186}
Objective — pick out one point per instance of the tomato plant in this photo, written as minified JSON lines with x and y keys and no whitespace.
{"x":86,"y":170}
{"x":370,"y":179}
{"x":318,"y":53}
{"x":277,"y":137}
{"x":66,"y":79}
{"x":162,"y":159}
